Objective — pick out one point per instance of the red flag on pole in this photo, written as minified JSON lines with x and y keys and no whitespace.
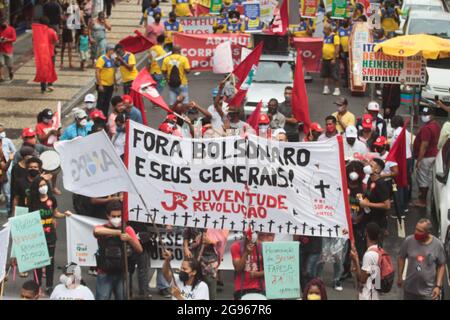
{"x":253,"y":119}
{"x":138,"y":102}
{"x":300,"y":107}
{"x":280,"y":23}
{"x":146,"y":87}
{"x":398,"y":154}
{"x":45,"y":69}
{"x":245,"y":72}
{"x":137,"y":43}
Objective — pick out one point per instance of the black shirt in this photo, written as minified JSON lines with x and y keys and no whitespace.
{"x":22,"y":190}
{"x":46,"y":209}
{"x":378,"y":192}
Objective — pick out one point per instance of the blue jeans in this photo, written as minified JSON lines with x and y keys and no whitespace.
{"x":106,"y":284}
{"x":175,"y":92}
{"x":158,"y":78}
{"x":311,"y":265}
{"x":161,"y":282}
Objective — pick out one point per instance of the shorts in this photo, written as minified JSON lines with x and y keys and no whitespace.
{"x":329,"y":70}
{"x":84,"y":55}
{"x":6,"y":59}
{"x":67,"y":36}
{"x":424,"y":172}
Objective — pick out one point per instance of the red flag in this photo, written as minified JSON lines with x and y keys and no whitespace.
{"x":245,"y":72}
{"x":137,"y":43}
{"x":280,"y":23}
{"x":45,"y":69}
{"x":300,"y":107}
{"x":145,"y":86}
{"x":253,"y":119}
{"x":366,"y":5}
{"x":398,"y":154}
{"x":138,"y":102}
{"x":201,"y":10}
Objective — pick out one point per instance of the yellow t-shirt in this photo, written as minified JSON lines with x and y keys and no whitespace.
{"x":107,"y":71}
{"x":182,"y":7}
{"x":389,"y":24}
{"x":181,"y":61}
{"x":348,"y":119}
{"x":155,"y":52}
{"x":328,"y":48}
{"x":344,"y":35}
{"x":128,"y":75}
{"x":170,"y":28}
{"x":234,"y":27}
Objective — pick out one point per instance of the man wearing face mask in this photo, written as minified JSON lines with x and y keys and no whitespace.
{"x":291,"y":124}
{"x":155,"y":29}
{"x":132,"y":112}
{"x":264,"y":129}
{"x":277,"y":119}
{"x":110,"y":255}
{"x":79,"y":128}
{"x":234,"y":24}
{"x":45,"y":132}
{"x":7,"y":38}
{"x":29,"y":139}
{"x":378,"y":123}
{"x":426,"y":264}
{"x":343,"y":117}
{"x":376,"y":202}
{"x":425,"y":151}
{"x":90,"y":102}
{"x":105,"y":75}
{"x":126,"y":61}
{"x":7,"y":150}
{"x":234,"y":125}
{"x":315,"y":130}
{"x":352,"y":144}
{"x":330,"y":129}
{"x":71,"y":287}
{"x":22,"y":186}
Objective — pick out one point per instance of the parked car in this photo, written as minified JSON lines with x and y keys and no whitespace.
{"x":420,"y":5}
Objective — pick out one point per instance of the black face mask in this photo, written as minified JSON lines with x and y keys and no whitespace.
{"x":33,"y":173}
{"x":351,"y":141}
{"x":379,"y":150}
{"x":184,"y":276}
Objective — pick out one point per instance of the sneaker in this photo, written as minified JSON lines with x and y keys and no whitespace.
{"x":326,"y":90}
{"x":338,"y":286}
{"x":378,"y":93}
{"x":165,"y":293}
{"x":337,"y":92}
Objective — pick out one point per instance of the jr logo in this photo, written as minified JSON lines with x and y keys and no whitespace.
{"x":91,"y":163}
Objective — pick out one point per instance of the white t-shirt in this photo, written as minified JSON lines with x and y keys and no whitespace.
{"x":216,"y":119}
{"x":61,"y":292}
{"x":358,"y":147}
{"x":408,"y":141}
{"x":200,"y":292}
{"x":370,"y":265}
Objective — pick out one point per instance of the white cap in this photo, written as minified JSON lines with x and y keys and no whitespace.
{"x":90,"y":98}
{"x":373,"y":106}
{"x":79,"y":114}
{"x":351,"y":132}
{"x":278,"y":131}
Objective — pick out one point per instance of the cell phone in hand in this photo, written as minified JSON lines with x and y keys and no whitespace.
{"x":436,"y":98}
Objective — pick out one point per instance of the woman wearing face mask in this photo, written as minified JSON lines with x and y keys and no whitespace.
{"x":71,"y":287}
{"x":315,"y":290}
{"x":188,"y":285}
{"x":155,"y":29}
{"x":79,"y":128}
{"x":45,"y":131}
{"x":42,"y":200}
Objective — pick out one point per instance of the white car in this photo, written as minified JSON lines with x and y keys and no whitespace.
{"x":274,"y":73}
{"x":421,"y":5}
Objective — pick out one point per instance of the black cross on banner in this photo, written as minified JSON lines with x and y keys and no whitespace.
{"x":322,"y":188}
{"x":137,"y":209}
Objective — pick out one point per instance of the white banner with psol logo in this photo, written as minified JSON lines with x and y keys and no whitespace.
{"x":91,"y":166}
{"x":235,"y":182}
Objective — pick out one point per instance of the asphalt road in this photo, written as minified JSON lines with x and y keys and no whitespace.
{"x":200,"y":88}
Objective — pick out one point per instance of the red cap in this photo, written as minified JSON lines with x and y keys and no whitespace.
{"x":264,"y":119}
{"x":28,"y":133}
{"x":171,"y":117}
{"x":367,"y":121}
{"x":166,"y":128}
{"x":97,"y":114}
{"x":380,"y":142}
{"x":127,"y":98}
{"x":315,"y":127}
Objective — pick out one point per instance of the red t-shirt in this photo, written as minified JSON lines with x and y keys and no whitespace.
{"x":250,"y":265}
{"x":429,"y":132}
{"x":53,"y":38}
{"x":10,"y":34}
{"x":41,"y":130}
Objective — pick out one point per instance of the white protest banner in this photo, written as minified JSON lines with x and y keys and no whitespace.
{"x":380,"y":68}
{"x":233,"y":182}
{"x":4,"y":243}
{"x":81,"y":243}
{"x":30,"y":245}
{"x":91,"y":166}
{"x":197,"y":25}
{"x":222,"y":58}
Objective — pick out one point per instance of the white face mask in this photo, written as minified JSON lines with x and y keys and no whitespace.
{"x":3,"y":135}
{"x":43,"y":190}
{"x":263,"y":128}
{"x":353,"y":176}
{"x":90,"y":105}
{"x":368,"y":169}
{"x":83,"y":122}
{"x":425,"y":119}
{"x":66,"y":280}
{"x":116,"y":222}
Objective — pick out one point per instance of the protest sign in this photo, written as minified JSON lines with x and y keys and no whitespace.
{"x":20,"y":211}
{"x":380,"y":68}
{"x":233,"y":182}
{"x":199,"y":49}
{"x":91,"y":166}
{"x":267,"y":7}
{"x":215,"y":6}
{"x":81,"y":243}
{"x":197,"y":25}
{"x":252,"y":12}
{"x":309,"y":8}
{"x":311,"y":51}
{"x":282,"y":269}
{"x":4,"y":243}
{"x":328,"y":4}
{"x":29,"y":241}
{"x":339,"y":9}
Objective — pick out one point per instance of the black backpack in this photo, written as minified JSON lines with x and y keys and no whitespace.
{"x":109,"y":256}
{"x":174,"y":78}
